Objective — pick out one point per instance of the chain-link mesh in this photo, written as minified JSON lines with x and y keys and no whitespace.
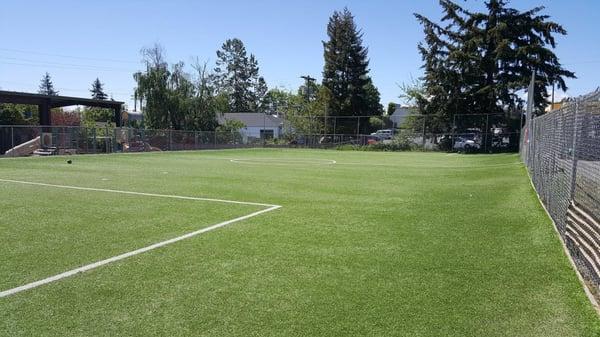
{"x":458,"y":133}
{"x":562,"y":152}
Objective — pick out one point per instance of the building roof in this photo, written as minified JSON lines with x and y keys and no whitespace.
{"x":54,"y":101}
{"x":402,"y":111}
{"x":253,"y":119}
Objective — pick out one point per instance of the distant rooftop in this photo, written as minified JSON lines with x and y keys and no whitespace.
{"x":252,"y":119}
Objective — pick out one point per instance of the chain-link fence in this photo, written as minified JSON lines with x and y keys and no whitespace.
{"x":463,"y":133}
{"x":459,"y":132}
{"x":17,"y":141}
{"x":562,"y":152}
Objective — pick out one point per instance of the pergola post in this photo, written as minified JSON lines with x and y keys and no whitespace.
{"x":117,"y":116}
{"x":44,"y":114}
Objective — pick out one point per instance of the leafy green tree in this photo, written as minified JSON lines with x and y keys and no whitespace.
{"x":207,"y":104}
{"x":231,"y":125}
{"x":97,"y":90}
{"x":18,"y":114}
{"x":152,"y":88}
{"x":175,"y":99}
{"x":180,"y":95}
{"x":93,"y":115}
{"x":308,"y":117}
{"x":277,"y":101}
{"x":391,"y":107}
{"x":46,"y":86}
{"x":237,"y":74}
{"x":346,"y":71}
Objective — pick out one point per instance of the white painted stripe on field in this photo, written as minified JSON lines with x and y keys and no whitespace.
{"x":97,"y":264}
{"x":136,"y":193}
{"x":129,"y":254}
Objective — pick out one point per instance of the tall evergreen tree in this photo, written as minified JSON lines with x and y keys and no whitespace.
{"x":97,"y":90}
{"x":478,"y":62}
{"x":237,"y":74}
{"x":46,"y":86}
{"x":346,"y":69}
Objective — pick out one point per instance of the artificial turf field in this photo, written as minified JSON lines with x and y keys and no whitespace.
{"x":375,"y":244}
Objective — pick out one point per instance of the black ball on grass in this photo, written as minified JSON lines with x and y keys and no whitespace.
{"x":69,"y":161}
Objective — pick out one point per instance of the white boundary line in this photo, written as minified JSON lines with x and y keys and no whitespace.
{"x":136,"y":193}
{"x":137,"y":251}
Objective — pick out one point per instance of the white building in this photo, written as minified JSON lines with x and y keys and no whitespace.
{"x":258,"y":125}
{"x":400,"y":114}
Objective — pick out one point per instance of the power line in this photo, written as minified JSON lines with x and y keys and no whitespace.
{"x":31,"y":87}
{"x":57,"y":66}
{"x":62,"y":64}
{"x":68,"y":56}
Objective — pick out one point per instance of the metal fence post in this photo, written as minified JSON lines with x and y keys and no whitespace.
{"x":114,"y":136}
{"x":574,"y":151}
{"x":424,"y":125}
{"x":453,"y":132}
{"x":94,"y":143}
{"x":106,"y":139}
{"x":12,"y":141}
{"x":143,"y":136}
{"x":334,"y":125}
{"x":485,"y":135}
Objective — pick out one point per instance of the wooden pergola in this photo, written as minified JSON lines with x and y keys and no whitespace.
{"x":47,"y":102}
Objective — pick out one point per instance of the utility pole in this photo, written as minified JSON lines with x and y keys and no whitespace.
{"x":308,"y":80}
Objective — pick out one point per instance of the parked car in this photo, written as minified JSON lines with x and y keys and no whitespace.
{"x":373,"y":139}
{"x":384,"y":134}
{"x":466,"y":144}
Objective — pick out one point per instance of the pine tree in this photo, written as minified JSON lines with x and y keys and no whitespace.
{"x":97,"y":90}
{"x":346,"y":69}
{"x":478,"y":62}
{"x":237,"y":74}
{"x":46,"y":86}
{"x":259,"y":95}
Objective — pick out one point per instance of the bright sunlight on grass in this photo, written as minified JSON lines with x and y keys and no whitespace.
{"x":365,"y":244}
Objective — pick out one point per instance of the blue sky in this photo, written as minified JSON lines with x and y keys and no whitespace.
{"x":77,"y":41}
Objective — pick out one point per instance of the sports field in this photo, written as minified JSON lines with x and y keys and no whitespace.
{"x":306,"y":243}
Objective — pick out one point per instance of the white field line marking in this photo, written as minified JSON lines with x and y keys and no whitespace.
{"x":136,"y":193}
{"x":137,"y":251}
{"x":275,"y":161}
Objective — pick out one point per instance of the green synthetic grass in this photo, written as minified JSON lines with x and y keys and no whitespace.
{"x":378,"y":244}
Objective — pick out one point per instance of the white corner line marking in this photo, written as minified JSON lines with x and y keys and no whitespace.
{"x":133,"y":252}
